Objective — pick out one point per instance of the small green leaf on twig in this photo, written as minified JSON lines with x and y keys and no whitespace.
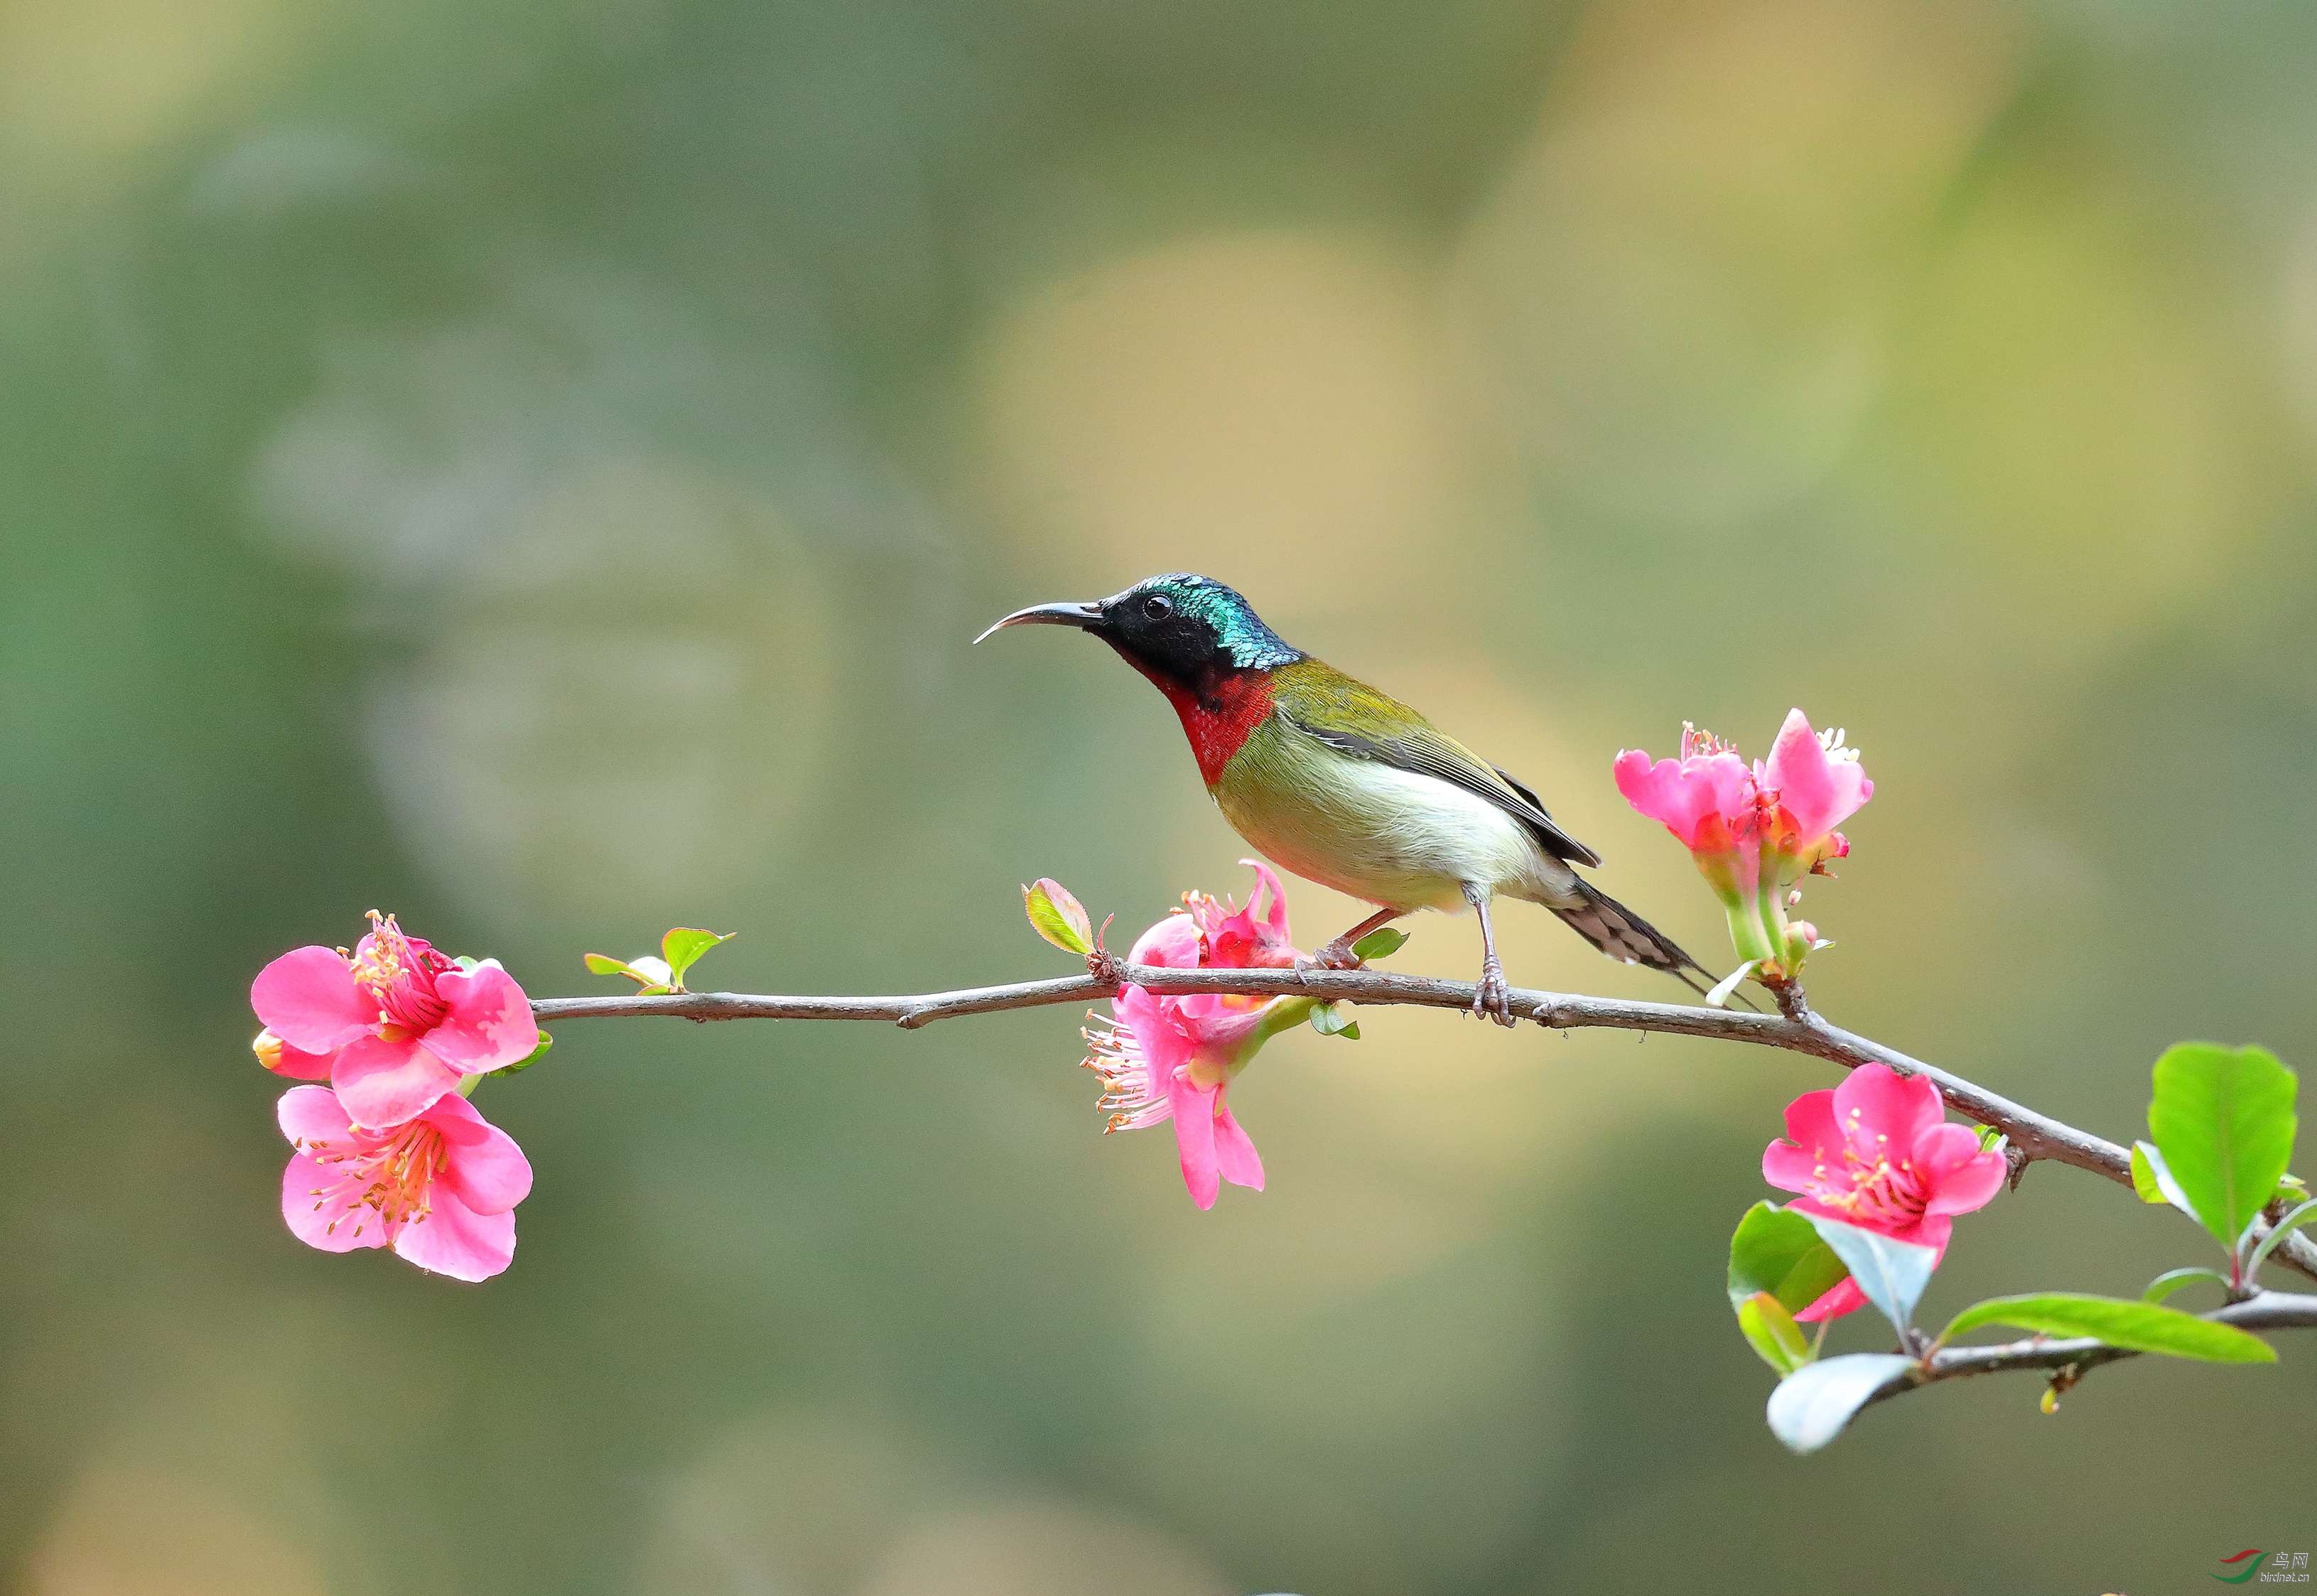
{"x":2135,"y":1326}
{"x":532,"y":1057}
{"x":1057,"y":917}
{"x":1891,"y":1273}
{"x":2285,"y":1226}
{"x":681,"y":948}
{"x":1379,"y":944}
{"x":2223,"y":1119}
{"x":1776,"y":1250}
{"x":1772,"y":1332}
{"x":649,"y":973}
{"x":2172,"y":1280}
{"x":2152,"y":1182}
{"x":1810,"y":1406}
{"x":1332,"y":1020}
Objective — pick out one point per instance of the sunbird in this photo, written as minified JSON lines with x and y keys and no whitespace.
{"x":1349,"y":787}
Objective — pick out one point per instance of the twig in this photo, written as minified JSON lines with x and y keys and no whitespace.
{"x":2270,"y":1310}
{"x":2031,"y":1134}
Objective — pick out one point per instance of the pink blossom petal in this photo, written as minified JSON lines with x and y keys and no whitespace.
{"x":1817,"y":792}
{"x":311,"y":1114}
{"x":1656,"y":790}
{"x":1810,"y":1125}
{"x":1195,"y":1139}
{"x":1274,"y":920}
{"x":484,"y":1170}
{"x":1160,"y":1034}
{"x":1962,"y":1177}
{"x":489,"y":1026}
{"x":384,"y":1083}
{"x":1235,"y":1155}
{"x":1220,"y":1027}
{"x":1173,"y":944}
{"x":295,"y":1064}
{"x":308,"y":998}
{"x":1934,"y":1231}
{"x":1931,"y":1232}
{"x":1698,"y":799}
{"x":454,"y":1240}
{"x":1807,"y":1205}
{"x":1790,"y":1168}
{"x":1843,"y":1297}
{"x":1882,"y":1111}
{"x":326,"y":1222}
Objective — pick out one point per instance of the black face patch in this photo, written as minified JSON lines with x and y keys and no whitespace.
{"x":1189,"y":629}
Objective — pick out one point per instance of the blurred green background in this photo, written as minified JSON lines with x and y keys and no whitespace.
{"x":537,"y":467}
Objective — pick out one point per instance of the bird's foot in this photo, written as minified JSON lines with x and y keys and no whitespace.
{"x":1332,"y":956}
{"x":1494,"y":1000}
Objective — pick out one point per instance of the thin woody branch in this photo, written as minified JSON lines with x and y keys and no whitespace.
{"x":2269,"y":1310}
{"x":2033,"y":1134}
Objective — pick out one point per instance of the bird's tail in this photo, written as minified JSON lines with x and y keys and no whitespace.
{"x":1618,"y":931}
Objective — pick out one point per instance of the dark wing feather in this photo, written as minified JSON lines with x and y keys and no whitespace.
{"x":1415,"y":745}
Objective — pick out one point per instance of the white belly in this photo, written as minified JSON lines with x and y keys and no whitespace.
{"x":1391,"y":837}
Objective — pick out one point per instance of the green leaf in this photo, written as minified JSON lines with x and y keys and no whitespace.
{"x":532,"y":1057}
{"x":649,"y":983}
{"x":2285,"y":1227}
{"x":1781,"y":1252}
{"x":2172,"y":1280}
{"x":2223,"y":1119}
{"x":1060,"y":918}
{"x":1379,"y":944}
{"x":2152,"y":1180}
{"x":1810,"y":1406}
{"x":2137,"y":1326}
{"x":1773,"y":1333}
{"x":1893,"y":1274}
{"x":682,"y":946}
{"x":1332,"y":1020}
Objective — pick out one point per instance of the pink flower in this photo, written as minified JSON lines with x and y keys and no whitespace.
{"x":1813,"y":783}
{"x":1243,"y":939}
{"x":1876,"y":1153}
{"x":400,"y":1024}
{"x":441,"y":1190}
{"x":1754,"y":830}
{"x":1705,"y":798}
{"x":1164,"y":1058}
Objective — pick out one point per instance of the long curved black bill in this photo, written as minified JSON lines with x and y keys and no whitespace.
{"x":1080,"y":615}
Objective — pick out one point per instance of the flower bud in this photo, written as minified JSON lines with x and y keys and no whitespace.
{"x":292,"y":1063}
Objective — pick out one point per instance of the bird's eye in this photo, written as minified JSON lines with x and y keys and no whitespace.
{"x":1157,"y":607}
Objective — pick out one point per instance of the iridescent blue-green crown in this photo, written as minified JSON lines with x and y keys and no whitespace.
{"x":1252,"y":645}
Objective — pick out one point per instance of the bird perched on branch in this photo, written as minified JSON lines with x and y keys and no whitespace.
{"x":1349,"y":788}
